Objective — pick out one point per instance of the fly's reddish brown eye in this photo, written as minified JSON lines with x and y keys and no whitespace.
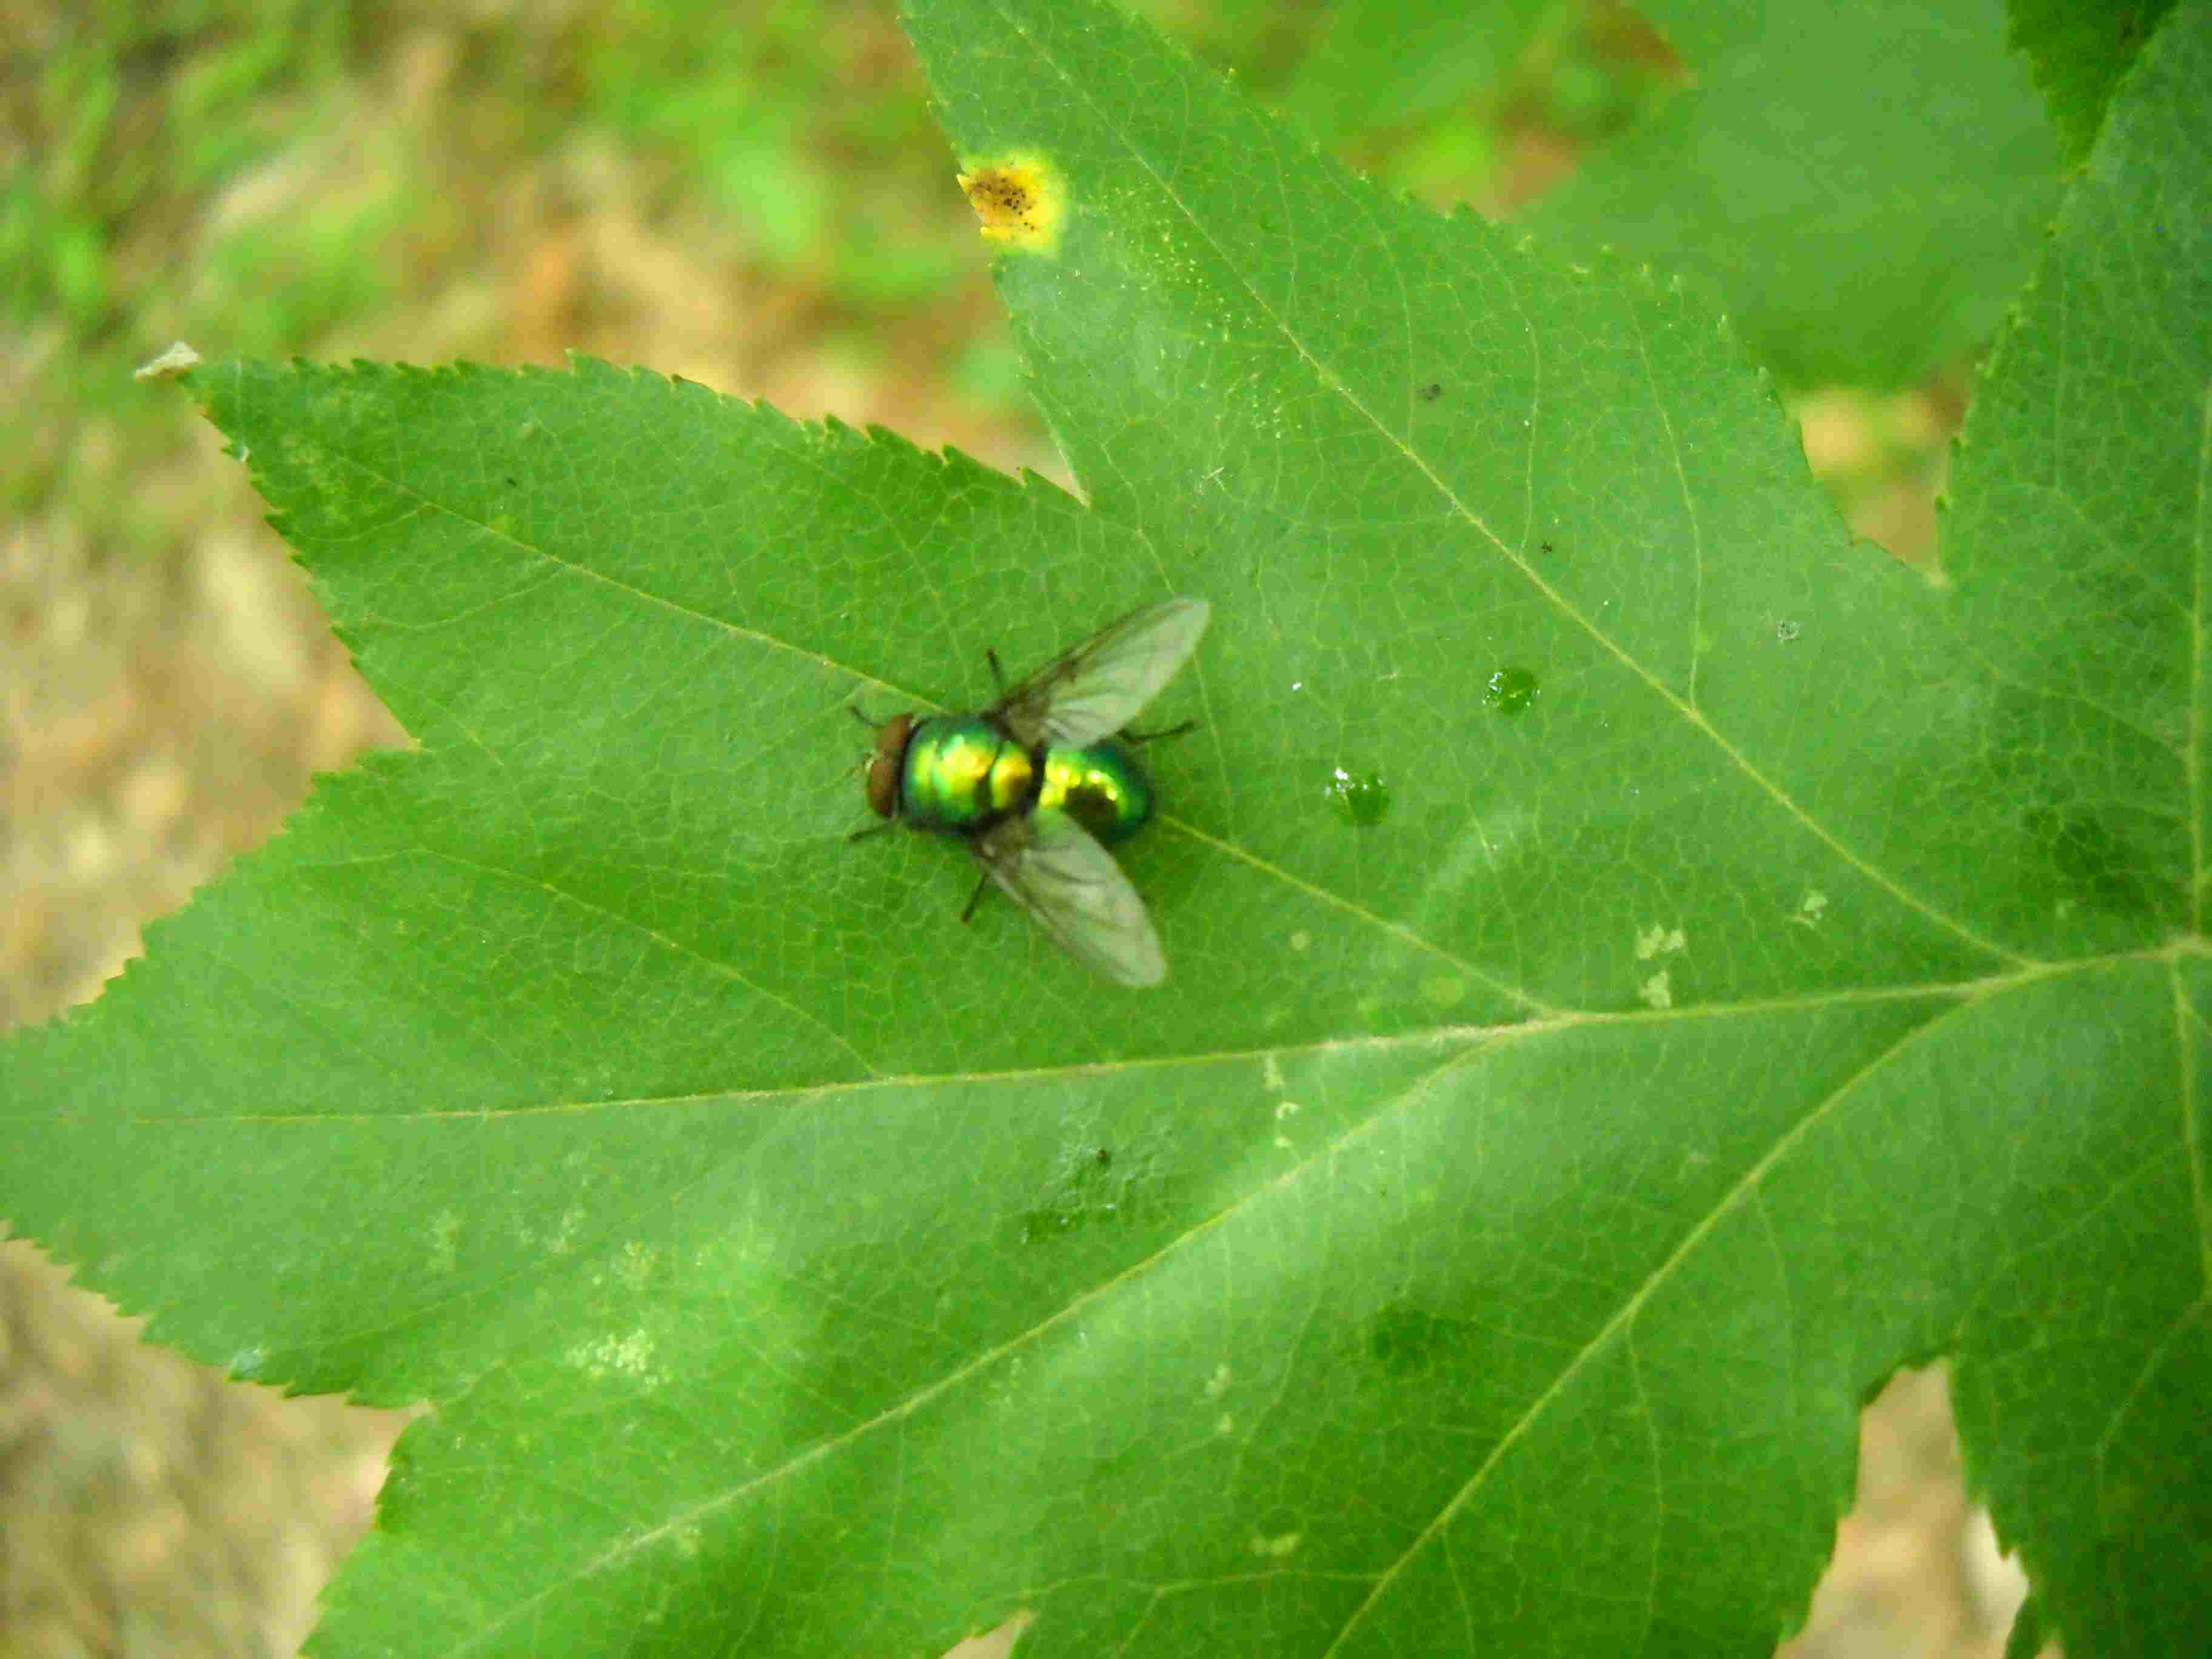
{"x":888,"y":761}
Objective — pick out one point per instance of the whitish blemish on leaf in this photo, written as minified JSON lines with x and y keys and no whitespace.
{"x":1810,"y":908}
{"x":1271,"y":1074}
{"x":564,"y":1239}
{"x":629,"y":1357}
{"x":1006,"y":1387}
{"x":1276,"y":1548}
{"x":1218,"y":1384}
{"x":1224,"y":1425}
{"x":1287,"y":1109}
{"x":1020,"y":200}
{"x":634,"y":1267}
{"x":1443,"y":989}
{"x":445,"y":1241}
{"x":1658,"y":941}
{"x":1658,"y":991}
{"x":1300,"y":939}
{"x":309,"y":458}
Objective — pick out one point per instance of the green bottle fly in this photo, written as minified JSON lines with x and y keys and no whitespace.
{"x":963,"y":772}
{"x":1040,"y":783}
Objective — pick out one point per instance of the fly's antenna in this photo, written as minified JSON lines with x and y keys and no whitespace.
{"x":866,"y":720}
{"x":998,"y":679}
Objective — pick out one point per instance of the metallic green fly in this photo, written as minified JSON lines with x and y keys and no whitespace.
{"x":1039,"y":783}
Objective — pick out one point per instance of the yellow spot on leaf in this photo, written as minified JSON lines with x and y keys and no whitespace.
{"x":1020,"y":202}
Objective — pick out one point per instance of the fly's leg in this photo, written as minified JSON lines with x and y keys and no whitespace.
{"x":967,"y":912}
{"x":1157,"y":737}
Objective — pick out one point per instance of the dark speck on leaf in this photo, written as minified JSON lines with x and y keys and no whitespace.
{"x":1405,"y":1341}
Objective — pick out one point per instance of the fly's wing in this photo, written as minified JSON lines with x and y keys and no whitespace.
{"x":1103,"y":684}
{"x":1049,"y":865}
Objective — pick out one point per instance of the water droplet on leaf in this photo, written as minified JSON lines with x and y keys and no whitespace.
{"x":1510,"y":690}
{"x":1361,"y":798}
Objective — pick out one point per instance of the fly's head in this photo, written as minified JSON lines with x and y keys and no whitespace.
{"x":887,"y":764}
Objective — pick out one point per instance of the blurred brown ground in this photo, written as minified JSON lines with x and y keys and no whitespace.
{"x":166,"y":694}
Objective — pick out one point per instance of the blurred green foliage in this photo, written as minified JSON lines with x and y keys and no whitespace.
{"x":279,"y":177}
{"x":136,"y":111}
{"x":770,"y":123}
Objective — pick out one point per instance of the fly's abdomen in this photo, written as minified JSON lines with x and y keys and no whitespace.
{"x":961,"y":773}
{"x":1103,"y":787}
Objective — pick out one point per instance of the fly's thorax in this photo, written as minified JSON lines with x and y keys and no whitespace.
{"x":963,"y":772}
{"x":1103,"y":787}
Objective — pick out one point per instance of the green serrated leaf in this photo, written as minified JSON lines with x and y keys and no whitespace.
{"x":2080,"y":52}
{"x":1863,"y":187}
{"x":1385,"y":63}
{"x":1641,"y":968}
